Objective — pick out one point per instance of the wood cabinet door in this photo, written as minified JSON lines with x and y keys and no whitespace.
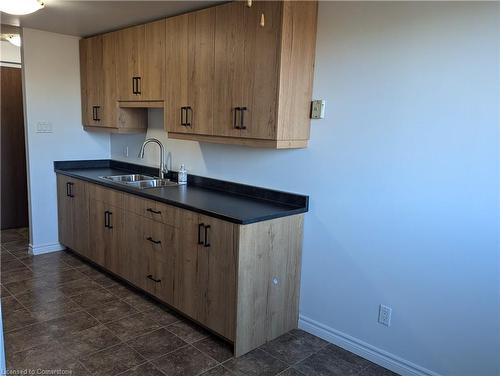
{"x":105,"y":234}
{"x":246,"y":69}
{"x":73,"y":214}
{"x":188,"y":291}
{"x":64,"y":212}
{"x":217,"y":261}
{"x":80,"y":216}
{"x":205,"y":283}
{"x":176,"y":76}
{"x":229,"y":57}
{"x":130,"y":42}
{"x":260,"y":73}
{"x":190,"y":72}
{"x":91,"y":77}
{"x":98,"y":235}
{"x":152,"y":62}
{"x":109,"y":90}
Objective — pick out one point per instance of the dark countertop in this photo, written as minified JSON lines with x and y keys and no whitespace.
{"x":237,"y":203}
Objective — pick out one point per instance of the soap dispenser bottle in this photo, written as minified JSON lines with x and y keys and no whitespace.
{"x":182,"y":175}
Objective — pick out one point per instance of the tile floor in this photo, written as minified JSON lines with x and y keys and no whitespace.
{"x":60,"y":313}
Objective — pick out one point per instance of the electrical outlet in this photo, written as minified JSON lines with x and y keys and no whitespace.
{"x":384,"y":315}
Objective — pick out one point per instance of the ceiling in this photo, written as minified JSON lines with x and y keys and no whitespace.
{"x":84,"y":18}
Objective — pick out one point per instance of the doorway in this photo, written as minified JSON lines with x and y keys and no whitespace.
{"x":14,"y":192}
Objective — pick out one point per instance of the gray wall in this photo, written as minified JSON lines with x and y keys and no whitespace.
{"x":403,"y":176}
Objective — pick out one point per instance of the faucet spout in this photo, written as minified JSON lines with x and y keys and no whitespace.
{"x":162,"y":170}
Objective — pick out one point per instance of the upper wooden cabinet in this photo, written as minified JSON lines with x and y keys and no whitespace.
{"x":98,"y":65}
{"x":189,"y":86}
{"x":262,"y":81}
{"x":92,"y":78}
{"x":141,"y":57}
{"x":227,"y":74}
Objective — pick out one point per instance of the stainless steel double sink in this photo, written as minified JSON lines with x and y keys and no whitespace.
{"x":140,"y":181}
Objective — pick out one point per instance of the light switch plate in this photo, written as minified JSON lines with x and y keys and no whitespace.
{"x":43,"y":127}
{"x":318,"y":109}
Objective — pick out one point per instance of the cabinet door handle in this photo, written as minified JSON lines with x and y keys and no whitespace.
{"x":153,"y":241}
{"x":69,"y":189}
{"x":153,"y":211}
{"x":189,"y":116}
{"x":183,"y":116}
{"x":135,"y":85}
{"x":106,"y":219}
{"x":138,"y":85}
{"x":109,"y":220}
{"x":242,"y":118}
{"x":236,"y":110}
{"x":97,"y":108}
{"x":153,"y":279}
{"x":200,"y":226}
{"x":206,"y":243}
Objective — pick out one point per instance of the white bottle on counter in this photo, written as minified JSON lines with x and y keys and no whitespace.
{"x":182,"y":175}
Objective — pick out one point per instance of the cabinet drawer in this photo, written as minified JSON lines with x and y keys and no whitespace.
{"x":154,"y":240}
{"x":108,"y":195}
{"x":153,"y":210}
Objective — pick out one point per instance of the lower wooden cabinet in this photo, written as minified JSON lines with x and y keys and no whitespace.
{"x":73,"y":214}
{"x":150,"y":255}
{"x":205,"y":274}
{"x":240,"y":281}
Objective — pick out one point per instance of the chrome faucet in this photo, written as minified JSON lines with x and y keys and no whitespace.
{"x":163,"y":170}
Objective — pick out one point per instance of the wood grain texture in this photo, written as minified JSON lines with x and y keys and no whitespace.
{"x":298,"y":48}
{"x":176,"y":76}
{"x":141,"y":104}
{"x":258,"y":143}
{"x":145,"y":257}
{"x":91,"y":74}
{"x":153,"y":210}
{"x":130,"y":43}
{"x":229,"y":58}
{"x":260,"y":68}
{"x":109,"y":196}
{"x":109,"y":111}
{"x":14,"y":193}
{"x":153,"y":62}
{"x":217,"y":274}
{"x":268,"y":251}
{"x":188,"y":289}
{"x":73,"y":214}
{"x":201,"y":34}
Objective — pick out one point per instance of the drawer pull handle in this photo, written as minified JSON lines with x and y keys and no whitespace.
{"x":153,"y":279}
{"x":153,"y":211}
{"x":154,"y":241}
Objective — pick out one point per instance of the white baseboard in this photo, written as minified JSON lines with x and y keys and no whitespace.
{"x":45,"y":248}
{"x":363,"y":349}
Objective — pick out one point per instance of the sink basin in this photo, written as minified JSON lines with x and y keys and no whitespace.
{"x":156,"y":183}
{"x":140,"y":181}
{"x":128,"y":178}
